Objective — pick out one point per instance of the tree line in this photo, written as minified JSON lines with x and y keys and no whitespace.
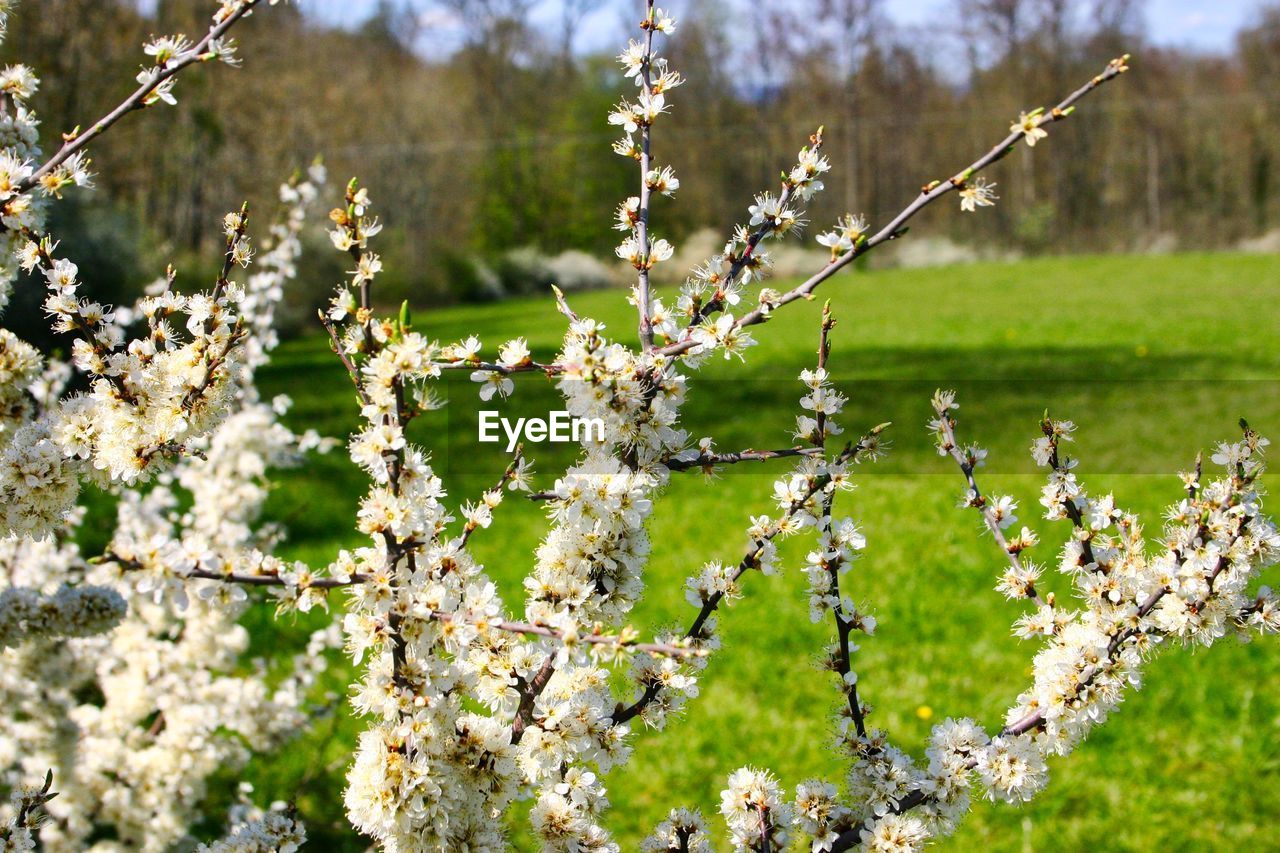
{"x":502,"y":142}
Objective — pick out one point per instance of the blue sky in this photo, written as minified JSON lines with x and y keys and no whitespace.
{"x":1206,"y":25}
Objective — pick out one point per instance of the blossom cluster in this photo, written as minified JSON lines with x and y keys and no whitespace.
{"x":427,"y":624}
{"x":71,"y":611}
{"x":26,"y":803}
{"x":683,"y":831}
{"x":758,"y":816}
{"x":146,"y":686}
{"x":255,"y":830}
{"x":136,"y":720}
{"x":148,"y":396}
{"x":146,"y":399}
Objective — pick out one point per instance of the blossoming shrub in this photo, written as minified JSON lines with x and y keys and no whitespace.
{"x":125,"y":682}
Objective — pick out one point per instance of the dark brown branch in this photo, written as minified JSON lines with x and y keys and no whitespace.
{"x":529,"y":692}
{"x":844,"y":660}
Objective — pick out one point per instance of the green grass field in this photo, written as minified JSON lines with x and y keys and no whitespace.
{"x":1154,"y":358}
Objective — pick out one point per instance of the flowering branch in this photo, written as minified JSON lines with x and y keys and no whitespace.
{"x":772,"y":218}
{"x":1090,"y":660}
{"x":928,"y":194}
{"x":481,"y":514}
{"x":715,"y":585}
{"x":653,"y":79}
{"x":642,"y":209}
{"x":172,"y":56}
{"x":830,"y":558}
{"x":1046,"y":449}
{"x":996,"y":513}
{"x":625,"y":639}
{"x":1181,"y":554}
{"x":237,"y":253}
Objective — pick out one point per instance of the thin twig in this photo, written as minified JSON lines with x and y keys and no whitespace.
{"x":494,"y":367}
{"x":894,"y":228}
{"x":844,"y":660}
{"x":136,"y":101}
{"x":346,"y":359}
{"x":706,"y":461}
{"x":563,"y":304}
{"x":507,"y":474}
{"x":979,"y":502}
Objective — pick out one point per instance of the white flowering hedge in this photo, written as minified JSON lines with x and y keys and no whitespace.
{"x":125,"y":683}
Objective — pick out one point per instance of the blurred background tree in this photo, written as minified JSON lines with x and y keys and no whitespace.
{"x":488,"y":135}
